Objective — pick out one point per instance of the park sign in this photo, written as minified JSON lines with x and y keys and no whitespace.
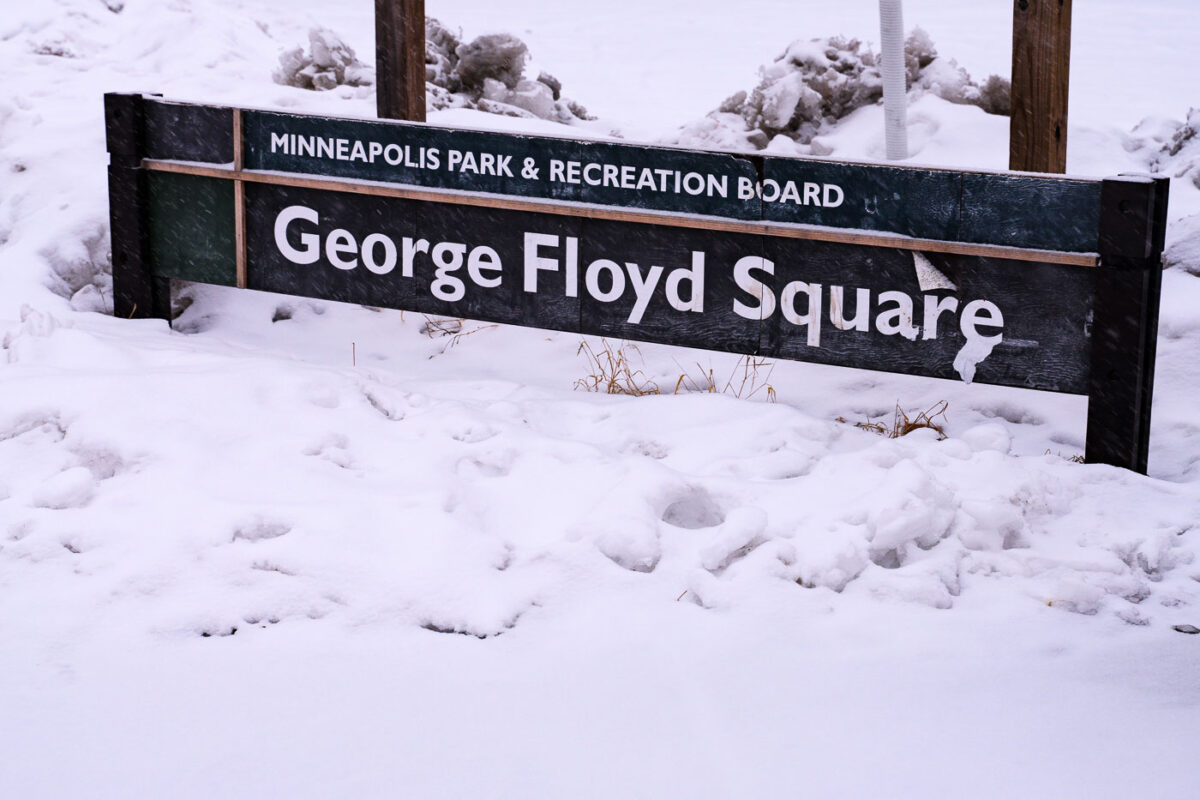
{"x":1035,"y":281}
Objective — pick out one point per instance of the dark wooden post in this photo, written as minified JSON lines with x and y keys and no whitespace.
{"x":1125,"y":320}
{"x":1041,"y":63}
{"x":400,"y":59}
{"x":136,"y":292}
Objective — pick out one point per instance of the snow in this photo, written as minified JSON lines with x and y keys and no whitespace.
{"x":297,"y":548}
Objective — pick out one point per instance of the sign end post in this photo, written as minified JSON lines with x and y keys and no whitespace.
{"x":1125,"y":321}
{"x":137,"y":293}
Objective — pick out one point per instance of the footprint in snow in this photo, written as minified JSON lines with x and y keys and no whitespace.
{"x":472,"y":434}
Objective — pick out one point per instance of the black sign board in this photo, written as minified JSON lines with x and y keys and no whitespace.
{"x":1020,"y":280}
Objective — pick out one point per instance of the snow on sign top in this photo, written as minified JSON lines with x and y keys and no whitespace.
{"x":963,"y":275}
{"x":1024,"y":211}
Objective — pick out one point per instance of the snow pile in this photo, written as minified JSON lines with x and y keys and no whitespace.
{"x":81,"y":269}
{"x":929,"y":74}
{"x":1180,"y":159}
{"x":818,"y":82}
{"x":329,"y":63}
{"x":487,"y":73}
{"x":1171,"y":147}
{"x":1185,"y":144}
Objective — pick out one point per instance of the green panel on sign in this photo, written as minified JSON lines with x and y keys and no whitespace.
{"x":191,"y":228}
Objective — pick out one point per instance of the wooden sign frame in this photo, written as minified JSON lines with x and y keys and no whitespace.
{"x":658,"y":244}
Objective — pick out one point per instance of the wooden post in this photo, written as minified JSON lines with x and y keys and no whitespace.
{"x":1041,"y":63}
{"x":400,"y":59}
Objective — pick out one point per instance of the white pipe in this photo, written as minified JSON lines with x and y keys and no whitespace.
{"x":895,"y":114}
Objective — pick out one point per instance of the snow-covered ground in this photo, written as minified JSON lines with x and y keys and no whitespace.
{"x":301,"y":549}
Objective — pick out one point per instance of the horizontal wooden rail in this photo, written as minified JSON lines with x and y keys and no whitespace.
{"x":645,"y":216}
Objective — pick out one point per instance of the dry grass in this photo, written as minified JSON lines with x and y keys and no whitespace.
{"x":749,"y":377}
{"x":451,"y":327}
{"x":442,"y":326}
{"x":1076,"y":458}
{"x":902,"y":424}
{"x":610,"y":371}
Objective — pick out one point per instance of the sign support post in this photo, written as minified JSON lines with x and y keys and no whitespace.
{"x":1125,"y":321}
{"x":137,"y":293}
{"x":400,"y":59}
{"x":1041,"y":60}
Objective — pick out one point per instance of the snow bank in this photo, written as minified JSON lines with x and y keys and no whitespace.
{"x":487,"y":73}
{"x":816,"y":83}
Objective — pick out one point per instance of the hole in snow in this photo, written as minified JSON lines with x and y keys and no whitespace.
{"x":694,"y":510}
{"x":230,"y":631}
{"x":645,"y":564}
{"x":270,"y":566}
{"x":468,"y":630}
{"x":431,"y":626}
{"x":261,"y":529}
{"x":888,"y":559}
